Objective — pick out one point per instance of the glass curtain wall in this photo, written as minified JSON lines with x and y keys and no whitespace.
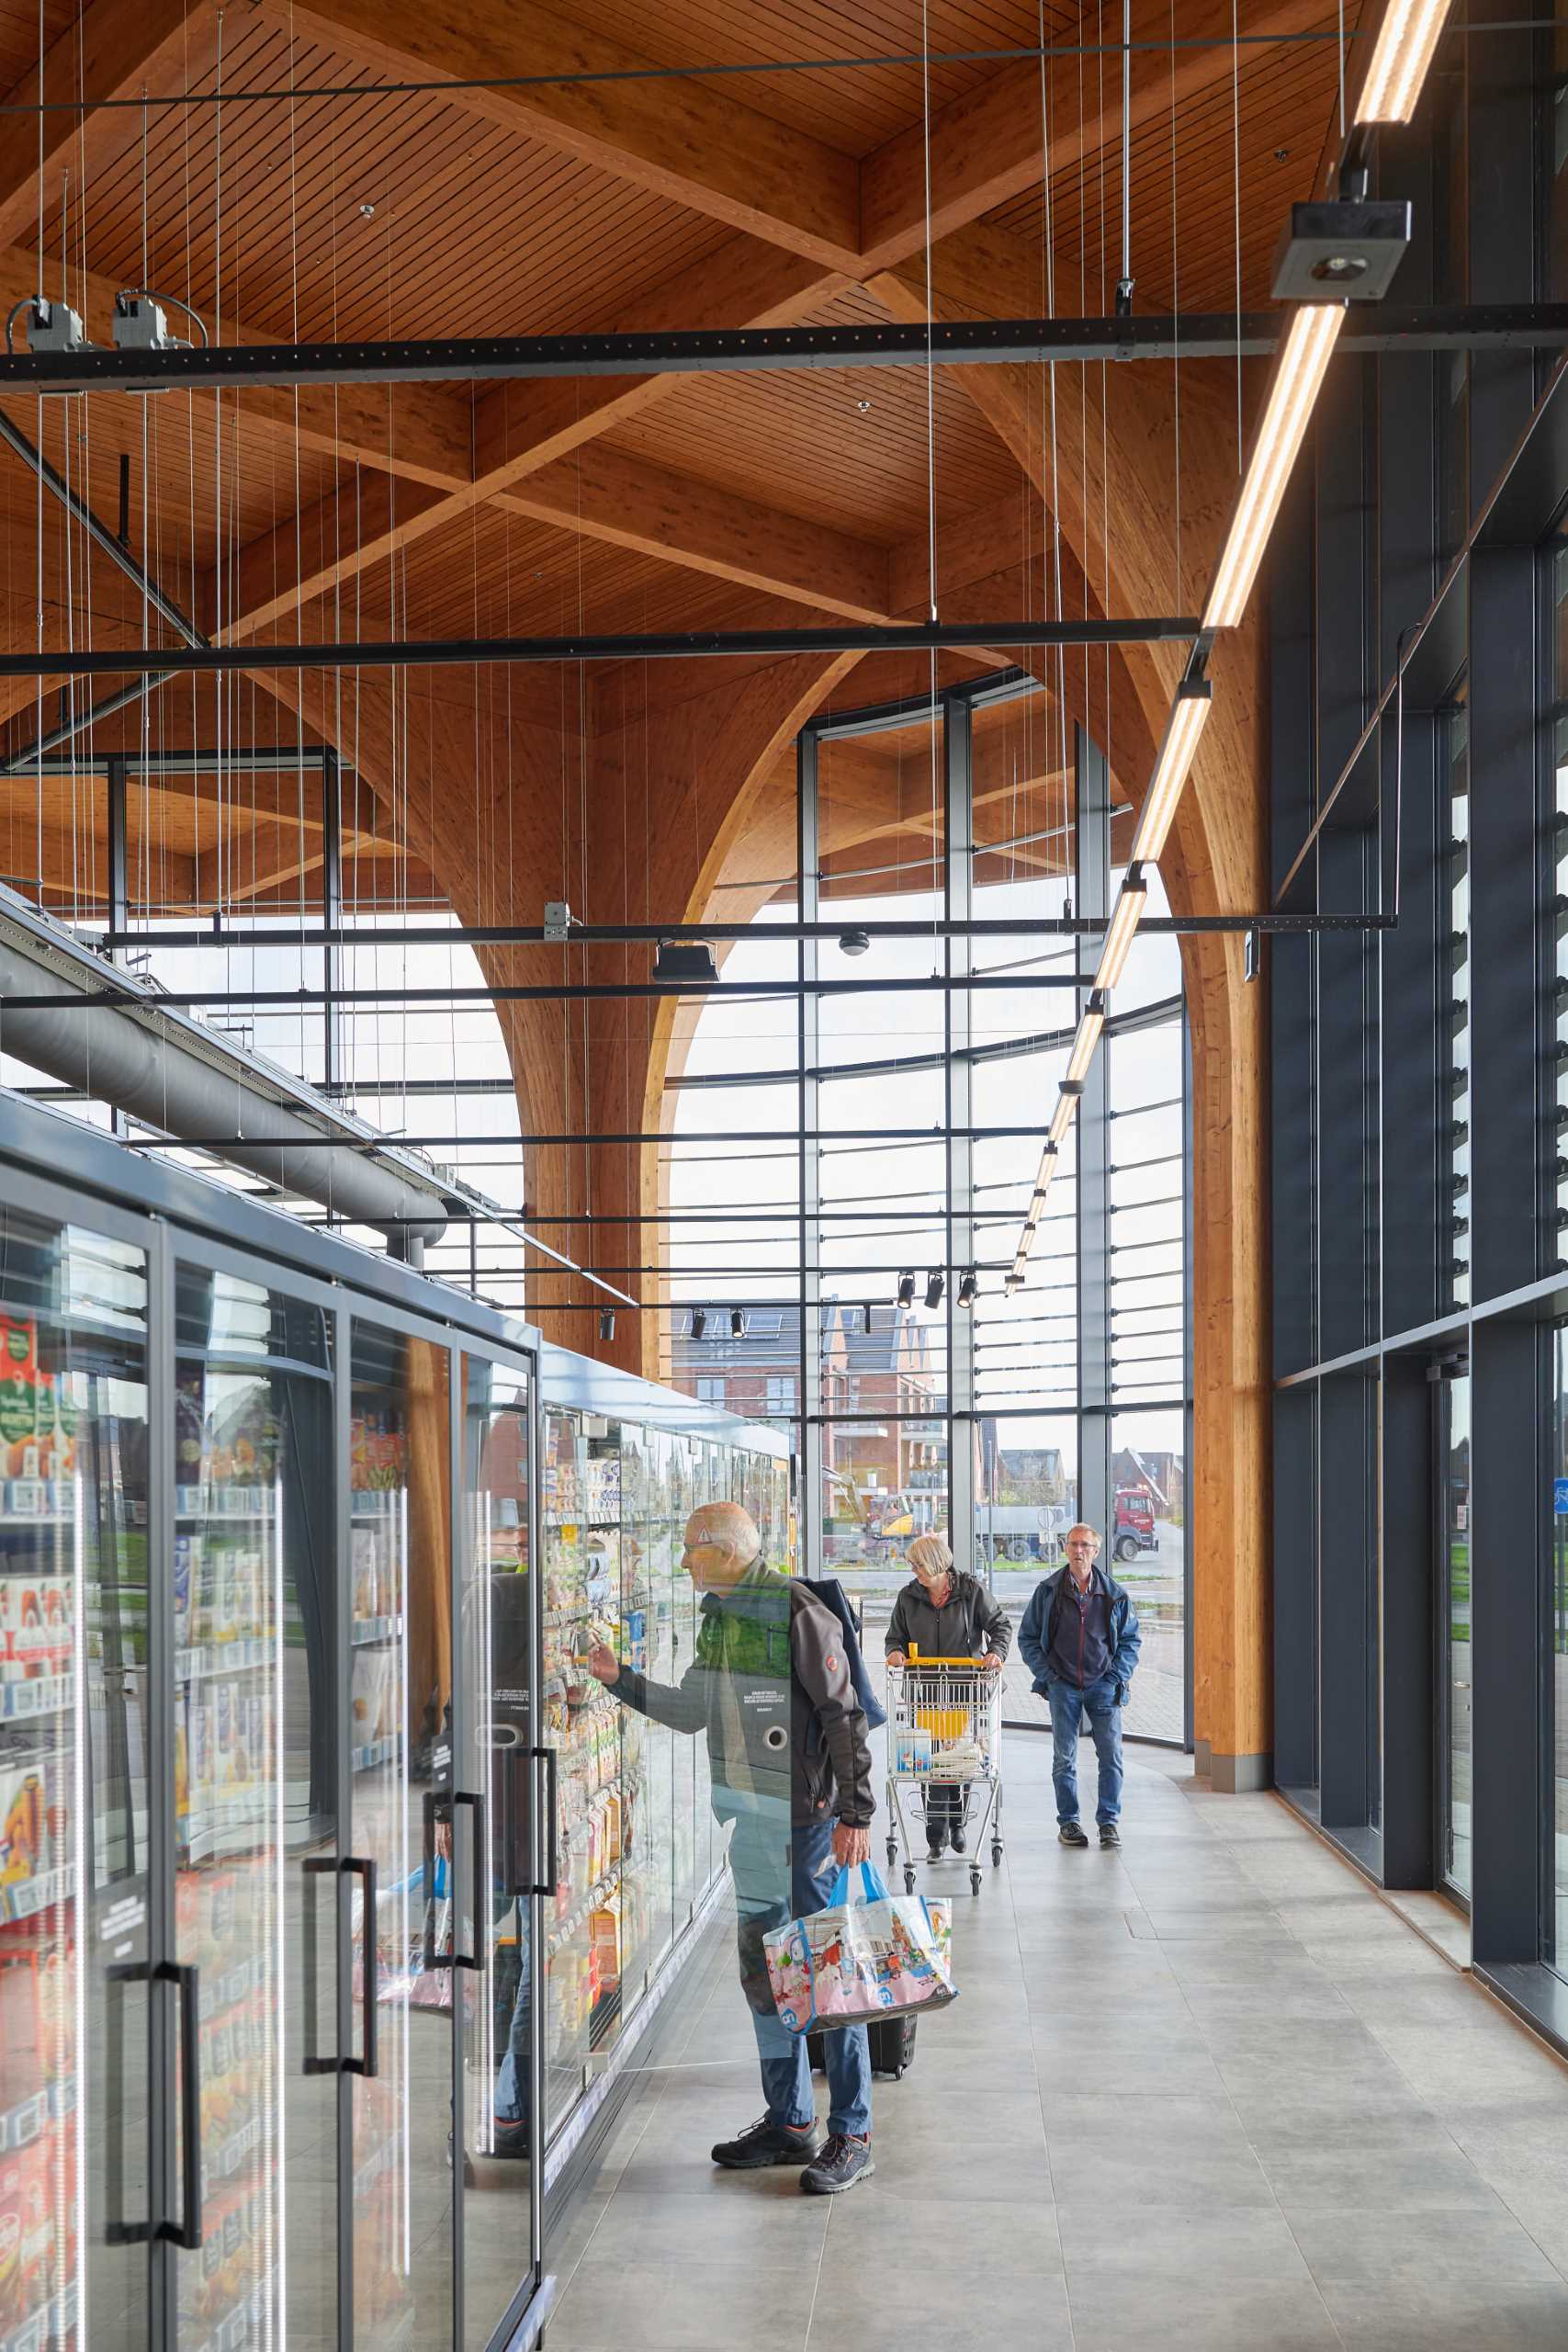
{"x":852,"y":1261}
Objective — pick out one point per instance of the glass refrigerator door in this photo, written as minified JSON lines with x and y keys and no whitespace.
{"x":407,"y":1928}
{"x":75,"y":2190}
{"x":500,"y":1760}
{"x":255,"y":1684}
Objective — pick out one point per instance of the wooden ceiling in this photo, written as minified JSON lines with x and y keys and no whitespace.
{"x":299,"y":195}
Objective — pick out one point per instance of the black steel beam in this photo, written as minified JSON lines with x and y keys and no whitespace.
{"x":1215,"y":335}
{"x":456,"y":653}
{"x":574,"y":992}
{"x":620,"y":934}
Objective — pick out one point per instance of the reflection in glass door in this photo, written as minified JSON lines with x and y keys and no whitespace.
{"x":1454,"y":1624}
{"x":405,"y":1904}
{"x":256,"y":1829}
{"x":74,"y":2205}
{"x":500,"y":1760}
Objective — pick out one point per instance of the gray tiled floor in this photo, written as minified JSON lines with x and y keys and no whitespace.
{"x":1209,"y":2093}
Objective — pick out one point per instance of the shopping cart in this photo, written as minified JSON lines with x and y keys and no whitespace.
{"x":944,"y":1727}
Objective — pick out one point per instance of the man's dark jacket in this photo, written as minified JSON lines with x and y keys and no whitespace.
{"x":771,"y":1663}
{"x":1037,"y":1634}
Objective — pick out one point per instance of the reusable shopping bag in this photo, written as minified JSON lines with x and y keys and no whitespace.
{"x":887,"y":1955}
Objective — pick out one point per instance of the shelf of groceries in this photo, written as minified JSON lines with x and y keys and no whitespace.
{"x":633,"y":1828}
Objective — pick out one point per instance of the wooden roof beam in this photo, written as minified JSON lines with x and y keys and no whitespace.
{"x":605,"y":495}
{"x":115,"y":49}
{"x":690,"y":142}
{"x":988,"y":146}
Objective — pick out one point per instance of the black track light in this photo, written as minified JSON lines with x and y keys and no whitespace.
{"x":967,"y":1288}
{"x":736,"y":1323}
{"x":699,"y":1322}
{"x":906,"y":1289}
{"x":606,"y":1322}
{"x":934,"y":1288}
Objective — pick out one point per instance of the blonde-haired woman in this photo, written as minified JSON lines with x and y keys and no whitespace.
{"x":944,"y":1613}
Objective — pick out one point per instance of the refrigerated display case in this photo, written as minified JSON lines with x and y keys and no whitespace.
{"x":335,"y":1893}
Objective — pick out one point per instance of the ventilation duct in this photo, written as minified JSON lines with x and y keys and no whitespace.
{"x":172,"y":1074}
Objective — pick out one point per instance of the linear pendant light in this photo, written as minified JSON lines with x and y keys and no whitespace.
{"x":1401,"y":55}
{"x":1130,"y":900}
{"x":1309,"y":346}
{"x":1066,"y":1106}
{"x":1188,"y":715}
{"x":1090,"y":1026}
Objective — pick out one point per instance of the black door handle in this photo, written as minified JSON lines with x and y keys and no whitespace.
{"x":316,"y":1866}
{"x":117,"y":2231}
{"x":363,"y":1867}
{"x":187,"y":1979}
{"x":475,"y":1958}
{"x":436,"y":1804}
{"x":551,"y":1761}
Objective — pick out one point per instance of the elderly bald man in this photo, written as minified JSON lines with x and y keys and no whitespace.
{"x":791,"y":1770}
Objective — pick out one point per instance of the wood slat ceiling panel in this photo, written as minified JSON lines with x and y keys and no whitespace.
{"x":19,"y":27}
{"x":490,"y":574}
{"x":1285,"y":101}
{"x":197,"y":485}
{"x":804,"y":439}
{"x":470,"y":228}
{"x":853,"y":109}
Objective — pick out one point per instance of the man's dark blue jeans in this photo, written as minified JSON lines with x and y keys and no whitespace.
{"x":786,"y":2068}
{"x":1068,"y":1706}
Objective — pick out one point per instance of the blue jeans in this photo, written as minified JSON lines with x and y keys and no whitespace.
{"x":1068,"y":1705}
{"x":755,"y":1856}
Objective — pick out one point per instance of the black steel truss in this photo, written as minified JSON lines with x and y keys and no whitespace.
{"x":1213,"y":334}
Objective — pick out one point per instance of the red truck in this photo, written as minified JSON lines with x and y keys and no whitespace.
{"x":1134,"y":1528}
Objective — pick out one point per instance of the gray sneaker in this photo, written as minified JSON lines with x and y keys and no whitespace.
{"x":1109,"y":1834}
{"x":1071,"y":1834}
{"x":766,"y":2143}
{"x":843,"y":2162}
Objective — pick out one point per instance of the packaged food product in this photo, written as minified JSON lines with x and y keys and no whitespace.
{"x":365,"y":1569}
{"x":27,"y":1820}
{"x":28,"y":2254}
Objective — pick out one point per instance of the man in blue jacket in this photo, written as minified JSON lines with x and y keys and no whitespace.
{"x":1080,"y":1638}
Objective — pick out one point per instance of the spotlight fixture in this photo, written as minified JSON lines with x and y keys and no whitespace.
{"x":1345,"y":249}
{"x":606,"y":1322}
{"x":699,"y":1322}
{"x":1091,"y":1021}
{"x":736,"y":1323}
{"x":1176,"y":750}
{"x":967,"y":1288}
{"x":1130,"y":900}
{"x":855,"y":942}
{"x":934,"y":1288}
{"x":1401,"y":55}
{"x":686,"y":963}
{"x":1308,"y":348}
{"x":906,"y":1289}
